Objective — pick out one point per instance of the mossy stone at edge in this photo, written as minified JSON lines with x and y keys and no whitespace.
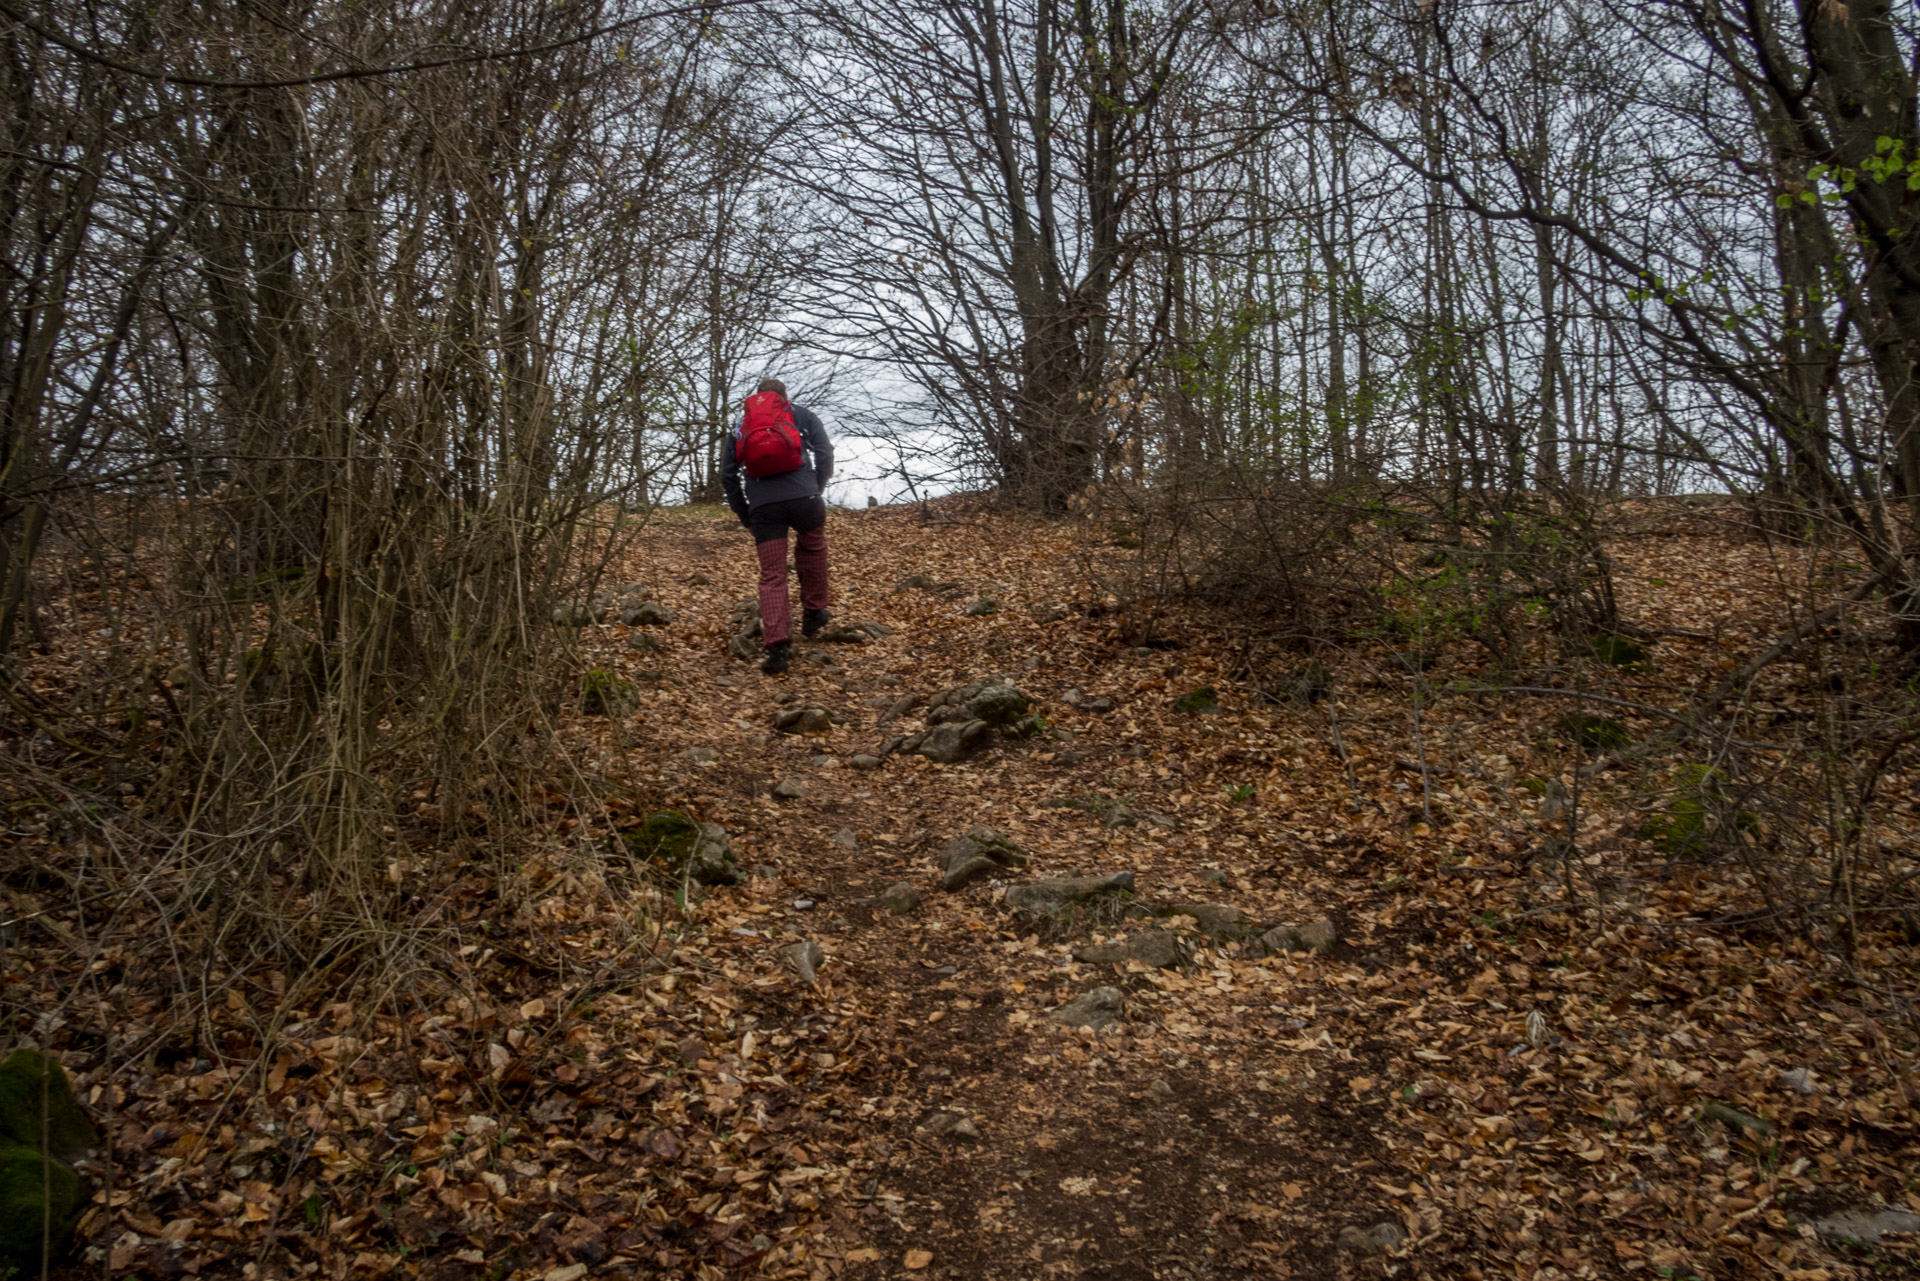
{"x":38,"y":1110}
{"x":676,"y":842}
{"x":40,"y":1203}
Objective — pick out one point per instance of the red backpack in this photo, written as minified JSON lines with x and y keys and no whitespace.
{"x":769,"y":443}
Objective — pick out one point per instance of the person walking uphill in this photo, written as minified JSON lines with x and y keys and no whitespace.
{"x":772,"y":488}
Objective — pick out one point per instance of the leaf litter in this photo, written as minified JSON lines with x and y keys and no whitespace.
{"x":1509,"y":1064}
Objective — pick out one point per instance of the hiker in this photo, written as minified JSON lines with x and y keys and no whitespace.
{"x":778,"y":491}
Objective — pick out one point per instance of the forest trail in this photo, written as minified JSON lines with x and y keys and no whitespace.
{"x":1473,"y":1081}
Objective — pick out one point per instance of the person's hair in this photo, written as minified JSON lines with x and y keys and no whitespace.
{"x":775,"y":386}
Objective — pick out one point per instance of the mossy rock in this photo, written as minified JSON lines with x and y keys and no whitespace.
{"x":681,"y":846}
{"x":1617,"y":651}
{"x":1699,"y":811}
{"x":40,"y":1203}
{"x":1199,"y":701}
{"x":1595,"y":733}
{"x":1029,"y":726}
{"x":605,"y":693}
{"x":38,"y":1109}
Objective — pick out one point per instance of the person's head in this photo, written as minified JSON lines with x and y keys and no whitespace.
{"x":775,"y":386}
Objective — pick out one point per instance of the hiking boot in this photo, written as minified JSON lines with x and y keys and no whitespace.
{"x":776,"y":660}
{"x":811,"y":621}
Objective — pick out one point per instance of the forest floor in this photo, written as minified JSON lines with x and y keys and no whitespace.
{"x":1523,"y":1057}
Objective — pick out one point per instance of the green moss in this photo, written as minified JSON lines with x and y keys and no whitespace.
{"x":605,"y":693}
{"x":1617,"y":651}
{"x":1595,"y":733}
{"x":1699,"y":811}
{"x":40,"y":1203}
{"x":678,"y":845}
{"x":1027,"y":726}
{"x":1204,"y":699}
{"x":38,"y":1109}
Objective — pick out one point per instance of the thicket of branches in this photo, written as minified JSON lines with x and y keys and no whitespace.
{"x":323,"y":381}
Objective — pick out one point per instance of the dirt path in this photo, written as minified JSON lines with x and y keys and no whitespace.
{"x":1478,"y":1098}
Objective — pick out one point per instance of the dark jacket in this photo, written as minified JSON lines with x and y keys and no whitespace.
{"x":744,"y":492}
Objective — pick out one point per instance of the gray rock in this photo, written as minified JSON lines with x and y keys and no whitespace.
{"x":1094,"y":1009}
{"x":1213,"y":874}
{"x":1212,"y":918}
{"x":1099,"y":705}
{"x":646,"y":613}
{"x":789,"y":789}
{"x":764,"y":872}
{"x":976,"y":854}
{"x":631,"y":591}
{"x":842,"y":636}
{"x":1138,"y":751}
{"x":806,"y":958}
{"x":643,"y":640}
{"x":967,"y":871}
{"x":804,"y":720}
{"x":574,"y":613}
{"x":701,"y":755}
{"x":1318,"y":938}
{"x":1800,"y":1080}
{"x":744,"y":647}
{"x":981,"y":608}
{"x":847,"y":839}
{"x":899,"y":707}
{"x":981,"y":841}
{"x":699,"y":580}
{"x":1381,"y":1238}
{"x":949,"y":1125}
{"x":954,"y":741}
{"x":993,"y":699}
{"x":1052,"y":614}
{"x":745,"y":617}
{"x":1159,"y":1090}
{"x":864,"y":760}
{"x":1042,"y":897}
{"x":1866,"y":1227}
{"x":711,"y":858}
{"x":899,"y":898}
{"x":1157,"y":948}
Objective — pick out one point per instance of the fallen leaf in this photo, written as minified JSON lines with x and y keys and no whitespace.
{"x":915,"y":1260}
